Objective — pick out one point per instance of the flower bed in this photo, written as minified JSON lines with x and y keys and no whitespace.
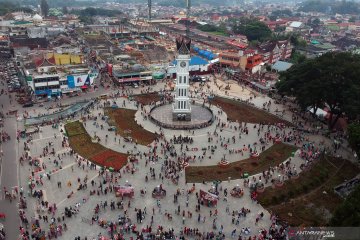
{"x":310,"y":197}
{"x":83,"y":145}
{"x":147,"y":98}
{"x":273,"y":156}
{"x":110,"y":158}
{"x":94,"y":152}
{"x":242,"y":112}
{"x":74,"y":128}
{"x":124,"y":120}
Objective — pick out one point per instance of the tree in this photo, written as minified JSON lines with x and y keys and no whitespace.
{"x":352,"y":19}
{"x":348,"y":213}
{"x":297,"y":57}
{"x":342,"y":7}
{"x":354,"y":137}
{"x":316,"y":22}
{"x":272,"y":18}
{"x":65,"y":10}
{"x":252,"y":28}
{"x":44,"y":8}
{"x":331,"y":80}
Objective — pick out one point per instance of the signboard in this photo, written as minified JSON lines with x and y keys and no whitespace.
{"x":124,"y":80}
{"x":43,"y":92}
{"x":80,"y":80}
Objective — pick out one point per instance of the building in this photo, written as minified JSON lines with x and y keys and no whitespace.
{"x":66,"y":58}
{"x":248,"y":60}
{"x":295,"y":26}
{"x":46,"y":79}
{"x":124,"y":73}
{"x":197,"y":66}
{"x":274,"y":51}
{"x":270,"y":51}
{"x":5,"y":50}
{"x":181,"y":105}
{"x":285,"y":49}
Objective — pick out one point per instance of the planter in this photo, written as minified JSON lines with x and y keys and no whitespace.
{"x":279,"y":184}
{"x":260,"y":189}
{"x":295,"y":176}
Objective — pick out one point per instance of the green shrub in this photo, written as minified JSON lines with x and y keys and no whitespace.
{"x":305,"y":188}
{"x":274,"y":200}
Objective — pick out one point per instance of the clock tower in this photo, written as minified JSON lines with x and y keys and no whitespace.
{"x":181,"y":105}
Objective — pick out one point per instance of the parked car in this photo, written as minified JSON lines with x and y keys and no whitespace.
{"x":195,"y":79}
{"x":28,"y":104}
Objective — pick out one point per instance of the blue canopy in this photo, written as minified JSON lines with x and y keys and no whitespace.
{"x":195,"y":60}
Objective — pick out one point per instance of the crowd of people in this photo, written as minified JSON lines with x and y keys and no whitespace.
{"x":172,"y":155}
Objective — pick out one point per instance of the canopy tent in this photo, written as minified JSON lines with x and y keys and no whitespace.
{"x":158,"y":75}
{"x":209,"y":199}
{"x":205,"y":53}
{"x":124,"y":191}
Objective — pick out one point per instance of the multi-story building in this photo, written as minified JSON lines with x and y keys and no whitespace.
{"x":248,"y":60}
{"x":5,"y":50}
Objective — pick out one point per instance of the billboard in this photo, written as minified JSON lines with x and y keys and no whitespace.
{"x":80,"y":80}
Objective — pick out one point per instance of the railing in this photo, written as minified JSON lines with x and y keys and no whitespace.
{"x":182,"y":127}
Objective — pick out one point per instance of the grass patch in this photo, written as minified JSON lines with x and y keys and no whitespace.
{"x":124,"y":119}
{"x":304,"y":197}
{"x":95,"y":152}
{"x":242,"y":112}
{"x":147,"y":98}
{"x":273,"y":156}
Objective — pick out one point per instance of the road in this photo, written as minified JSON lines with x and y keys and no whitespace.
{"x":9,"y":171}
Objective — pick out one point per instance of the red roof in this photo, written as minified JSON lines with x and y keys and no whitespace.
{"x":237,"y":44}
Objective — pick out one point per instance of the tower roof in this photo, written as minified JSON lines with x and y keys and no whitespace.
{"x":183,"y":45}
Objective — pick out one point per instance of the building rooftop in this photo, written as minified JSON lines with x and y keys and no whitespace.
{"x":195,"y":60}
{"x":281,"y":66}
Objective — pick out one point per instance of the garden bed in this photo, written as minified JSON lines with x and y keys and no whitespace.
{"x":124,"y":120}
{"x":73,"y":129}
{"x":242,"y":112}
{"x":147,"y":98}
{"x":110,"y":158}
{"x":310,"y":199}
{"x":273,"y":156}
{"x":82,"y":144}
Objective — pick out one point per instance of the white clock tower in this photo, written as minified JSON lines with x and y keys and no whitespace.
{"x":181,"y":105}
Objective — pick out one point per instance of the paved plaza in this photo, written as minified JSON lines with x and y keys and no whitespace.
{"x":62,"y":172}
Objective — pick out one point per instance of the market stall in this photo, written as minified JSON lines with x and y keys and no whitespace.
{"x":208,"y":199}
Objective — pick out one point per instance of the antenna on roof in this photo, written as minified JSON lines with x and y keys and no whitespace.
{"x":188,"y":6}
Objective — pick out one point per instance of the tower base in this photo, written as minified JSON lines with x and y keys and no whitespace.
{"x":181,"y":116}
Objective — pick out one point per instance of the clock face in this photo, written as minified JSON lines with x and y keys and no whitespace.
{"x":183,"y":64}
